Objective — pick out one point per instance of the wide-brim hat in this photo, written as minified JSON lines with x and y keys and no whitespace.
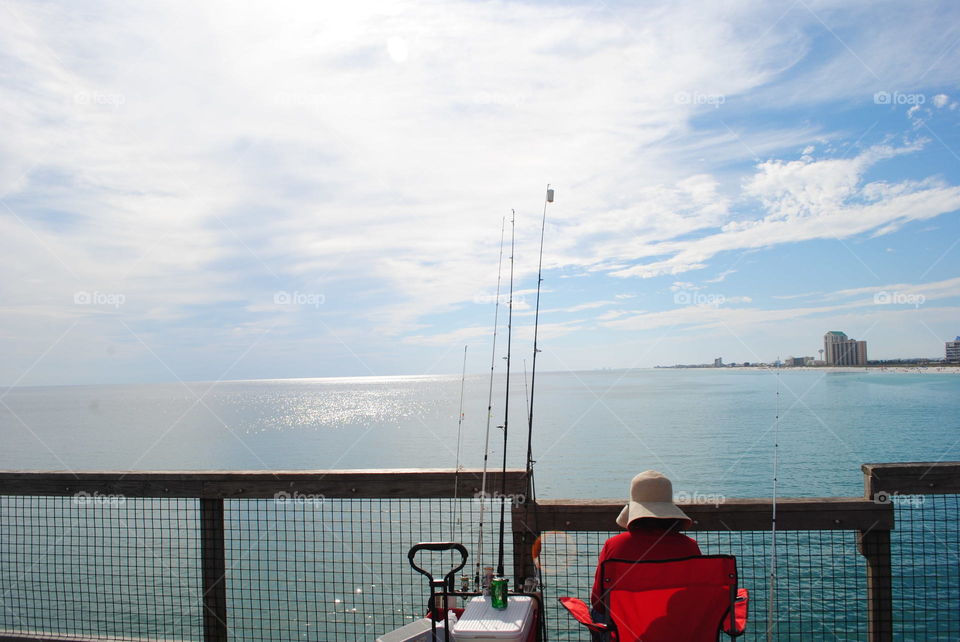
{"x":651,"y":495}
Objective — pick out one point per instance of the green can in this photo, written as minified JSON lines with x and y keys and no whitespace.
{"x":498,"y":592}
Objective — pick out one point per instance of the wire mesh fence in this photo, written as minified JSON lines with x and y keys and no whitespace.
{"x":297,"y":568}
{"x":303,"y":566}
{"x":338,"y":569}
{"x":102,"y":566}
{"x":925,"y":551}
{"x":819,"y":588}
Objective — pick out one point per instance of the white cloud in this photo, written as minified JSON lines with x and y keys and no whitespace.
{"x":721,"y":277}
{"x":199,"y":158}
{"x":866,"y":298}
{"x":807,"y":200}
{"x":940,"y":100}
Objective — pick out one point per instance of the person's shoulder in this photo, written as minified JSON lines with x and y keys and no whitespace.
{"x":617,"y":541}
{"x":686,"y":541}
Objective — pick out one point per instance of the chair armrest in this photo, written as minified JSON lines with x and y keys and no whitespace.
{"x":579,"y":610}
{"x":741,"y":610}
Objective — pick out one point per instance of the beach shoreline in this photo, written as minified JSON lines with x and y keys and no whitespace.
{"x":945,"y":369}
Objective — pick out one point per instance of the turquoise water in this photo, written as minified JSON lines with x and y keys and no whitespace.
{"x":710,"y":431}
{"x":291,"y":577}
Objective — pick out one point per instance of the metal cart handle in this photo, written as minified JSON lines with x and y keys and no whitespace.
{"x":438,"y":546}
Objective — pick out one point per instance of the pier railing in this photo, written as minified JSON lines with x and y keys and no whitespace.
{"x":826,"y":548}
{"x":923,"y":551}
{"x":321,"y":555}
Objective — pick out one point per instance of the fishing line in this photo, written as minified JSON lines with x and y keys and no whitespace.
{"x":526,"y":391}
{"x":536,"y":327}
{"x":771,"y":621}
{"x":506,"y":401}
{"x":548,"y":198}
{"x":486,"y":439}
{"x":456,"y":473}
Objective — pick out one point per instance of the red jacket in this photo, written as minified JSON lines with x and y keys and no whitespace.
{"x":642,"y":544}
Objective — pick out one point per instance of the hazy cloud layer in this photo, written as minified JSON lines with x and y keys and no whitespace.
{"x":183,"y":182}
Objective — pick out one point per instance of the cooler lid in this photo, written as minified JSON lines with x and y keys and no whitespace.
{"x":479,"y":616}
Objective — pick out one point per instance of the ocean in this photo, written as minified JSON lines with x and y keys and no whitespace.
{"x":133,"y":569}
{"x":711,"y":431}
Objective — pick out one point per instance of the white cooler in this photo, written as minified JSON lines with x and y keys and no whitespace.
{"x":481,"y":622}
{"x":417,"y":631}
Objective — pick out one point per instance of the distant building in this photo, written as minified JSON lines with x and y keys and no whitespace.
{"x":841,"y":350}
{"x":953,"y":350}
{"x":718,"y":362}
{"x":796,"y":362}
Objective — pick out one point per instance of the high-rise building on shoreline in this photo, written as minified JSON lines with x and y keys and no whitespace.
{"x":953,"y":350}
{"x":840,"y":350}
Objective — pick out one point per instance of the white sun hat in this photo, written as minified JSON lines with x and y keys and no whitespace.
{"x":651,"y":495}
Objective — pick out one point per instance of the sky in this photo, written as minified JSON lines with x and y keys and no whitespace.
{"x":210,"y":191}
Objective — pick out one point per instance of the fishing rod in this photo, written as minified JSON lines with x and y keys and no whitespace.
{"x":456,"y":473}
{"x":771,"y":621}
{"x":533,"y":380}
{"x":536,"y":326}
{"x":506,"y":401}
{"x":486,"y":442}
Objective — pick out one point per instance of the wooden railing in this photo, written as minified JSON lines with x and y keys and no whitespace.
{"x":882,"y":484}
{"x":213,"y":487}
{"x":871,"y":521}
{"x":869,"y":516}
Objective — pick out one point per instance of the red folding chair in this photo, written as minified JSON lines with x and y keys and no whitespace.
{"x":689,"y":599}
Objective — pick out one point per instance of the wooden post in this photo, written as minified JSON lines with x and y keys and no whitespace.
{"x":214,"y":566}
{"x":526,"y":530}
{"x":524,"y":535}
{"x":875,"y":547}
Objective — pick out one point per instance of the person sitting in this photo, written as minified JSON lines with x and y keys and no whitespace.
{"x":653,"y":524}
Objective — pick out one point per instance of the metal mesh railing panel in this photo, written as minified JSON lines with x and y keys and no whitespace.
{"x":820,"y":589}
{"x":925,"y":555}
{"x":100,"y":566}
{"x":310,"y":568}
{"x":121,"y":567}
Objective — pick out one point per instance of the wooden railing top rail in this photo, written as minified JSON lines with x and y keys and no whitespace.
{"x":938,"y":478}
{"x":748,"y":514}
{"x":259,"y":484}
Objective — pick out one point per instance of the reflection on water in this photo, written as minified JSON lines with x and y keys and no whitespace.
{"x":710,"y":431}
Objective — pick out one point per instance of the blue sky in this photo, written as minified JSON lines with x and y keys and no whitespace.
{"x":201,"y":191}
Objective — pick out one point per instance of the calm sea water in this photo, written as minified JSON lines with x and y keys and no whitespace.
{"x":711,"y":431}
